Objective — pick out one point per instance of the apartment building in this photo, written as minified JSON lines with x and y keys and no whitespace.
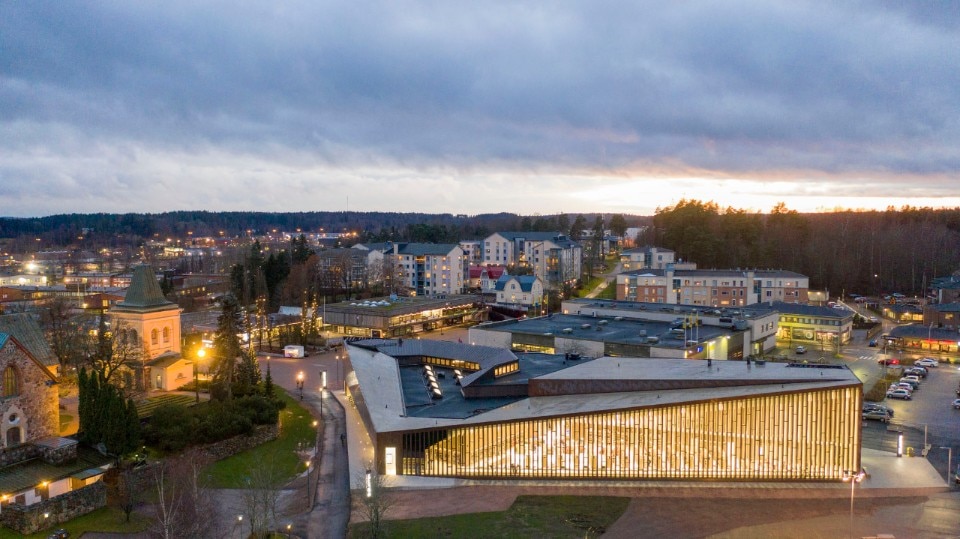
{"x":715,"y":288}
{"x":552,"y":256}
{"x":427,"y":269}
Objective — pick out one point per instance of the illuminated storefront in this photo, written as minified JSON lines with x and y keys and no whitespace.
{"x":814,"y":435}
{"x":619,"y":418}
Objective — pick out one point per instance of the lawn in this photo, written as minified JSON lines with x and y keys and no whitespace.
{"x":529,"y":516}
{"x":146,"y":407}
{"x":106,"y":519}
{"x":296,"y":427}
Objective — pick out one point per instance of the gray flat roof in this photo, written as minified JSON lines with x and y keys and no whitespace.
{"x":607,"y":329}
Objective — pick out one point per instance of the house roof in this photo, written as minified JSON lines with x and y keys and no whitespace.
{"x":946,"y":307}
{"x":144,"y":291}
{"x":525,"y":281}
{"x":28,"y":333}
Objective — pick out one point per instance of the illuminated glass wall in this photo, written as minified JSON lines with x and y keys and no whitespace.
{"x":814,"y":436}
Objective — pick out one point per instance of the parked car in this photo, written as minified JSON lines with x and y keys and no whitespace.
{"x":915,"y":384}
{"x":876,"y":413}
{"x":873,"y":343}
{"x":880,"y":406}
{"x":901,"y":394}
{"x":956,"y":404}
{"x":59,"y":534}
{"x":928,"y":362}
{"x":801,"y":350}
{"x":888,"y":361}
{"x":919,"y":372}
{"x":900,"y":385}
{"x":874,"y":319}
{"x":910,"y":378}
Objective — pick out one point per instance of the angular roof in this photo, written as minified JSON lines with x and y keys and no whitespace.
{"x":525,"y":281}
{"x":144,"y":291}
{"x":28,"y":333}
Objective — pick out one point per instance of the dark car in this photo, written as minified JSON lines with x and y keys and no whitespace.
{"x":889,"y":361}
{"x":873,"y":343}
{"x":59,"y":534}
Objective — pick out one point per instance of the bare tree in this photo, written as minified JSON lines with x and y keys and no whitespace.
{"x":183,"y":507}
{"x":375,"y":500}
{"x":64,"y":332}
{"x":261,"y":495}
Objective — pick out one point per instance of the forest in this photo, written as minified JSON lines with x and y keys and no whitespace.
{"x":866,"y":252}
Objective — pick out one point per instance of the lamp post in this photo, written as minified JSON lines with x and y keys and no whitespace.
{"x":196,"y":372}
{"x":323,"y":385}
{"x":300,"y":384}
{"x":853,"y":479}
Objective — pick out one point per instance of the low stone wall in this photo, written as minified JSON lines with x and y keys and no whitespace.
{"x":238,"y":444}
{"x":18,"y":453}
{"x":27,"y":519}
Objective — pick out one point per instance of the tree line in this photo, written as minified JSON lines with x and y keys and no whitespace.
{"x":866,"y":252}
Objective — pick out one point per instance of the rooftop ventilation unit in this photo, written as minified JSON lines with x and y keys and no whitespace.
{"x":584,"y":326}
{"x":568,"y":330}
{"x":618,"y":318}
{"x":602,"y":322}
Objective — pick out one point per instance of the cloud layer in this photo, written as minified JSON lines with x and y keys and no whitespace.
{"x":476,"y":106}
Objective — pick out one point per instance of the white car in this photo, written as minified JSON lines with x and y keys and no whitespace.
{"x":927,"y":362}
{"x":956,"y":404}
{"x":898,"y":394}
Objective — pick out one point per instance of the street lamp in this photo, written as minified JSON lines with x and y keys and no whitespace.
{"x":853,"y":479}
{"x":196,"y":371}
{"x":300,"y":384}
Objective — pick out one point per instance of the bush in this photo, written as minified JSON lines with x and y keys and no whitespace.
{"x":170,"y":428}
{"x":259,"y":409}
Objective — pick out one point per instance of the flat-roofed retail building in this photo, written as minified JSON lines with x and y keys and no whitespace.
{"x":401,"y":316}
{"x":444,"y":409}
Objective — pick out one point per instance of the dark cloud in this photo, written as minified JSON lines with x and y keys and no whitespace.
{"x":734,"y":87}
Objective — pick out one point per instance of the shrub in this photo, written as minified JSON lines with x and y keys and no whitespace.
{"x":170,"y":428}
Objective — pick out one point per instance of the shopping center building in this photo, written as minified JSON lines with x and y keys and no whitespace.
{"x":444,"y":409}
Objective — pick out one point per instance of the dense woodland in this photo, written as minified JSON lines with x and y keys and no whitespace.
{"x":866,"y":252}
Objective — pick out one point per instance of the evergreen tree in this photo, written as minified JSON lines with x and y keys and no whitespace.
{"x":227,"y":348}
{"x":133,"y":426}
{"x":83,"y":401}
{"x":268,"y":383}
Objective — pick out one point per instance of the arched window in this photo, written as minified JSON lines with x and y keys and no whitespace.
{"x":134,"y":338}
{"x":166,"y":335}
{"x":153,"y":336}
{"x":11,"y":382}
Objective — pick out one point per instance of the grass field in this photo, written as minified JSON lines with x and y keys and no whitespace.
{"x":529,"y":516}
{"x":101,"y":520}
{"x":296,"y":427}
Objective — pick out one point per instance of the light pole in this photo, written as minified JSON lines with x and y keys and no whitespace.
{"x":323,"y":385}
{"x":949,"y":461}
{"x":196,"y":371}
{"x":853,"y":479}
{"x":300,"y":384}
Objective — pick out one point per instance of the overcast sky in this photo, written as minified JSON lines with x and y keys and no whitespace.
{"x":477,"y":107}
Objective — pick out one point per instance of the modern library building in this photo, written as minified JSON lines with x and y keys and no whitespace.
{"x":444,"y":409}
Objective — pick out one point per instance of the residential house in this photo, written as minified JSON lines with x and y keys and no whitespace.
{"x":524,"y":291}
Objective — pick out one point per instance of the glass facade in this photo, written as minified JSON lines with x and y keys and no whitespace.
{"x":811,"y":435}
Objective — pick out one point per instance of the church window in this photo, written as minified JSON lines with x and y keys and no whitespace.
{"x":11,"y":382}
{"x":166,"y":335}
{"x":154,"y":336}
